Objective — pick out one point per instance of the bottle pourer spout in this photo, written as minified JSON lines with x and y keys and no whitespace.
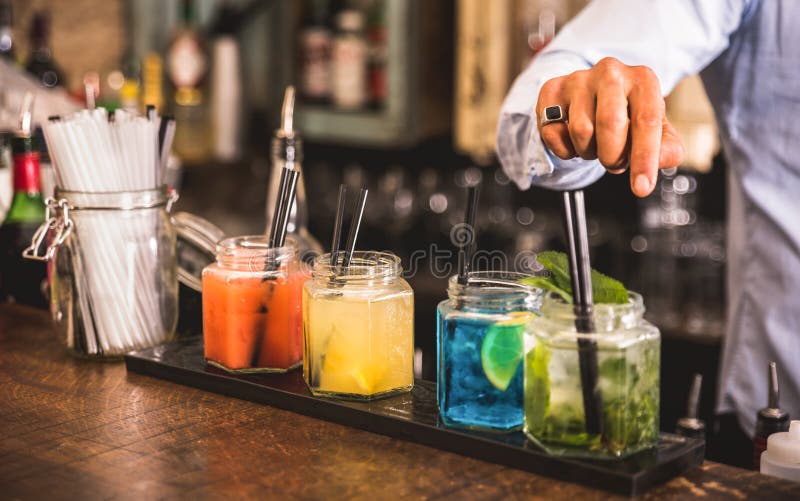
{"x":287,"y":112}
{"x":694,"y":396}
{"x":774,"y":391}
{"x":26,"y":114}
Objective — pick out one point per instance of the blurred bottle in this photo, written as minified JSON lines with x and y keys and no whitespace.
{"x":6,"y":166}
{"x":377,"y":36}
{"x":40,"y":61}
{"x":187,"y":65}
{"x":226,"y":85}
{"x":130,"y":91}
{"x":316,"y":40}
{"x":287,"y":153}
{"x":6,"y":32}
{"x":771,"y":419}
{"x":21,"y":279}
{"x":349,"y":72}
{"x":152,"y":81}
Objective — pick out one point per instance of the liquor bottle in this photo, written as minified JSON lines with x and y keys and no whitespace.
{"x":130,"y":90}
{"x":6,"y":33}
{"x":152,"y":76}
{"x":349,"y":71}
{"x":40,"y":62}
{"x":187,"y":65}
{"x":771,"y":419}
{"x":6,"y":169}
{"x":316,"y":40}
{"x":287,"y":153}
{"x":226,"y":84}
{"x":21,"y":279}
{"x":377,"y":37}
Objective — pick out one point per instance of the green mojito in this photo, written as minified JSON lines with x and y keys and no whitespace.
{"x":628,"y":353}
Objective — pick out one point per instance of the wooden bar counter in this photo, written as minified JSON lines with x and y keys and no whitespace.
{"x":75,"y":429}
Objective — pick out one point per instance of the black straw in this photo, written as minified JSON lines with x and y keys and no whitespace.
{"x":581,"y":278}
{"x":336,"y":243}
{"x":162,"y":132}
{"x":286,"y":210}
{"x":470,"y":232}
{"x":355,"y":224}
{"x":276,"y":211}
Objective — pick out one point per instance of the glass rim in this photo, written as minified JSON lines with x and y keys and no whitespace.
{"x":365,"y":265}
{"x":635,"y":302}
{"x":496,"y":288}
{"x":485,"y":279}
{"x":114,"y":200}
{"x":253,"y":246}
{"x":557,"y":311}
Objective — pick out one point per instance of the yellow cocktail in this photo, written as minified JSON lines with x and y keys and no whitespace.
{"x":358,"y":328}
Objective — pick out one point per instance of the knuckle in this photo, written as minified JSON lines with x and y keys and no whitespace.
{"x":551,"y":137}
{"x":615,"y":120}
{"x":645,"y":74}
{"x":609,"y":66}
{"x":647,"y":119}
{"x":581,"y":130}
{"x":576,"y":79}
{"x":609,"y":62}
{"x":578,"y":74}
{"x":549,"y":86}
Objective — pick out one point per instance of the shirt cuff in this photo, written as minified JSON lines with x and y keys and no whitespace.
{"x":524,"y":157}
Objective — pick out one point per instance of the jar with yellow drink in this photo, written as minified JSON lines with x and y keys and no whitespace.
{"x":358,"y":328}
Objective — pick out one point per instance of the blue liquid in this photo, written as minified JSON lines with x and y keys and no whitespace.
{"x":466,"y":397}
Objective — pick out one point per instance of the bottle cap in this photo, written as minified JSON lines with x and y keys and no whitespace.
{"x":24,"y":144}
{"x":784,"y":447}
{"x":351,"y":20}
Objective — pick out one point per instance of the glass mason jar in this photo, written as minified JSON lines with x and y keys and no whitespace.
{"x":480,"y":338}
{"x":628,"y":355}
{"x":252,"y":306}
{"x":358,"y":328}
{"x":112,"y":270}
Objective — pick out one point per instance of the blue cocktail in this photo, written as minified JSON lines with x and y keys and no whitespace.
{"x":479,"y":348}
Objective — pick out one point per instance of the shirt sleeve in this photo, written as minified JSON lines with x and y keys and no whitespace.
{"x":676,"y":38}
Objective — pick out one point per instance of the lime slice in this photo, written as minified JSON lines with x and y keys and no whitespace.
{"x":502,"y":349}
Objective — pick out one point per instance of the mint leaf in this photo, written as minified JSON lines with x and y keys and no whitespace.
{"x":558,"y":266}
{"x":604,"y":288}
{"x":608,"y":290}
{"x":546,"y":283}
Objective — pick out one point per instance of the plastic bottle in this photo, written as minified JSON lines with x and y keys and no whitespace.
{"x":782,"y":457}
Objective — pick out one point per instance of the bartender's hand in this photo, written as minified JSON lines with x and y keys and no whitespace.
{"x":615,"y":114}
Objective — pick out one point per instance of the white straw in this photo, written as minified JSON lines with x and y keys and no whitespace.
{"x":117,"y":274}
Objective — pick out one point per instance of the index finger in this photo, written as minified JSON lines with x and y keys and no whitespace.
{"x":647,"y":114}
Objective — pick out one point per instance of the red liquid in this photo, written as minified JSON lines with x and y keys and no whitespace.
{"x":252,"y":323}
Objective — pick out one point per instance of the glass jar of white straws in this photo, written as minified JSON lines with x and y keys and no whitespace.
{"x":113,"y":270}
{"x":108,"y":237}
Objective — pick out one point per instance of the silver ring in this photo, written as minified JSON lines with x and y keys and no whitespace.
{"x":554,"y":114}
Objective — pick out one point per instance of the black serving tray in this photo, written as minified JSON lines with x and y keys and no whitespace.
{"x":414,"y":416}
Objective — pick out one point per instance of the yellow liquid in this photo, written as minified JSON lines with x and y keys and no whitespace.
{"x":358,"y":344}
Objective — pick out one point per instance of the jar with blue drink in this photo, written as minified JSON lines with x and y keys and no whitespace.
{"x":480,"y":336}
